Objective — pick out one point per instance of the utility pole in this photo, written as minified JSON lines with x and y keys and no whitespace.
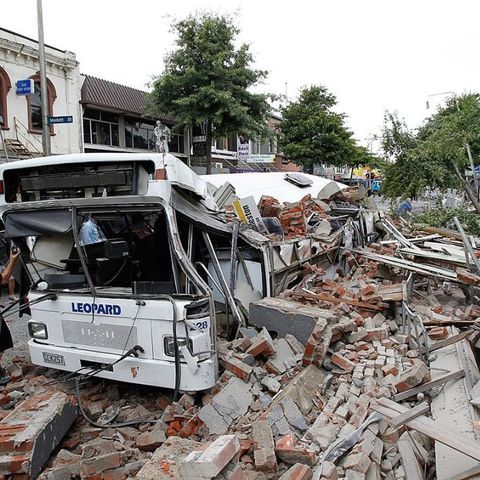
{"x":43,"y":81}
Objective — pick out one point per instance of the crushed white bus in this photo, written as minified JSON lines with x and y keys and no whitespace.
{"x":143,"y":302}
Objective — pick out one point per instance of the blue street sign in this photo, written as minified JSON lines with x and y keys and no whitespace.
{"x":55,"y":120}
{"x":25,"y":87}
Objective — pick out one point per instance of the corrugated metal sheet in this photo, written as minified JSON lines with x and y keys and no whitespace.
{"x":111,"y":95}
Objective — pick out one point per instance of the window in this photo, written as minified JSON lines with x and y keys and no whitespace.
{"x":36,"y":121}
{"x":34,"y":105}
{"x":5,"y":86}
{"x":139,"y":134}
{"x":176,"y":144}
{"x":100,"y":128}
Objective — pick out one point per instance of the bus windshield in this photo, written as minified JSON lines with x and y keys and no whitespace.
{"x":123,"y":248}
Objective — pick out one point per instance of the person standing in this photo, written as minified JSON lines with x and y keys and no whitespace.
{"x":6,"y":341}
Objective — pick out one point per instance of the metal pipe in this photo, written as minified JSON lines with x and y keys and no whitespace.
{"x":221,"y":278}
{"x":81,"y":253}
{"x":43,"y":81}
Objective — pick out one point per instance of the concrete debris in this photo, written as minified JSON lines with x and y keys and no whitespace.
{"x":208,"y":463}
{"x":296,"y":393}
{"x":30,"y":433}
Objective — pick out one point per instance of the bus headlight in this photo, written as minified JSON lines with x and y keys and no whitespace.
{"x":169,"y":345}
{"x":37,"y":330}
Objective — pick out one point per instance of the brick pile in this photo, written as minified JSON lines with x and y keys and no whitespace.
{"x":293,"y":216}
{"x":281,"y":406}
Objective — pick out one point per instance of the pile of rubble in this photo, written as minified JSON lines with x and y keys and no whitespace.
{"x":332,"y":380}
{"x":297,"y":219}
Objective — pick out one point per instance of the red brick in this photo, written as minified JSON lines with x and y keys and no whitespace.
{"x":190,"y":428}
{"x":211,"y":461}
{"x":298,"y":472}
{"x":377,"y":334}
{"x":288,"y":453}
{"x":264,"y":450}
{"x":342,"y":362}
{"x":238,"y":368}
{"x":150,"y":441}
{"x":95,"y":465}
{"x":390,"y":370}
{"x":368,"y":290}
{"x":117,"y":474}
{"x":438,"y":333}
{"x":467,"y":277}
{"x":14,"y":464}
{"x":414,"y":376}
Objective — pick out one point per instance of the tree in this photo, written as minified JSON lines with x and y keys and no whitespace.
{"x":436,"y":155}
{"x":311,"y":132}
{"x":207,"y":79}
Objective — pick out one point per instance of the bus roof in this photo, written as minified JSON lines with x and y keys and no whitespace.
{"x":178,"y":173}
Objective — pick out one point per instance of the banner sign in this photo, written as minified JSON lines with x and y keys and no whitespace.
{"x":243,"y":148}
{"x":261,"y":159}
{"x":247,"y":211}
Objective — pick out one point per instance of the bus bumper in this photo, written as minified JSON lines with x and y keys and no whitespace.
{"x":157,"y":373}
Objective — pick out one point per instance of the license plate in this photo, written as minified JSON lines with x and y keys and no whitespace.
{"x":53,"y":358}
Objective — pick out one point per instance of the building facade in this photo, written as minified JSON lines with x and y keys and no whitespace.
{"x":114,"y":120}
{"x":21,"y":116}
{"x":106,"y":116}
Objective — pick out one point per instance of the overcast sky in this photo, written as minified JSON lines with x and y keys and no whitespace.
{"x":372,"y":54}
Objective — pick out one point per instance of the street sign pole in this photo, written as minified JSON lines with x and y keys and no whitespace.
{"x":43,"y":81}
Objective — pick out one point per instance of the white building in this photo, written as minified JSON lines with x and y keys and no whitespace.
{"x":22,"y":115}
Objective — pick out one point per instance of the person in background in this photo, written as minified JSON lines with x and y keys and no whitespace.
{"x":6,"y":341}
{"x":11,"y":284}
{"x":404,"y":207}
{"x":90,"y":232}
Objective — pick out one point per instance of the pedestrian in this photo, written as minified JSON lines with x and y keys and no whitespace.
{"x":6,"y":341}
{"x":90,"y":232}
{"x":404,"y":207}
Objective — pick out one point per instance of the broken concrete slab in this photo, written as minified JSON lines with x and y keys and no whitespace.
{"x":284,"y":356}
{"x":302,"y":389}
{"x":287,"y":317}
{"x":229,"y":404}
{"x":33,"y":430}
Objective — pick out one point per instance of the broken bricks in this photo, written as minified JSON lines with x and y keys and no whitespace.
{"x":32,"y":431}
{"x":209,"y":462}
{"x":264,"y":448}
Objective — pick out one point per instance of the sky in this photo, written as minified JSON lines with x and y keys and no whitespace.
{"x":373,"y":55}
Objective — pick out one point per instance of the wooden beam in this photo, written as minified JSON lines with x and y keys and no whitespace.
{"x":414,"y":412}
{"x":409,"y":461}
{"x":325,"y":297}
{"x":431,"y":428}
{"x":450,"y":340}
{"x":429,"y":385}
{"x":447,"y":323}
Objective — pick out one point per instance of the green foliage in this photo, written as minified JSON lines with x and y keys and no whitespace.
{"x":435,"y":155}
{"x":207,"y":78}
{"x":443,"y":217}
{"x":311,"y":132}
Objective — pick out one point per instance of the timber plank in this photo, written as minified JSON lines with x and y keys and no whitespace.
{"x":432,"y":429}
{"x":428,"y":385}
{"x":414,"y":412}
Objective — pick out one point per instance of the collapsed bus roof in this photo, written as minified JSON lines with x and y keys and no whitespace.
{"x":178,"y":173}
{"x":276,"y":184}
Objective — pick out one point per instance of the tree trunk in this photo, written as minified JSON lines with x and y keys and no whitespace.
{"x":468,"y":190}
{"x":208,"y":156}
